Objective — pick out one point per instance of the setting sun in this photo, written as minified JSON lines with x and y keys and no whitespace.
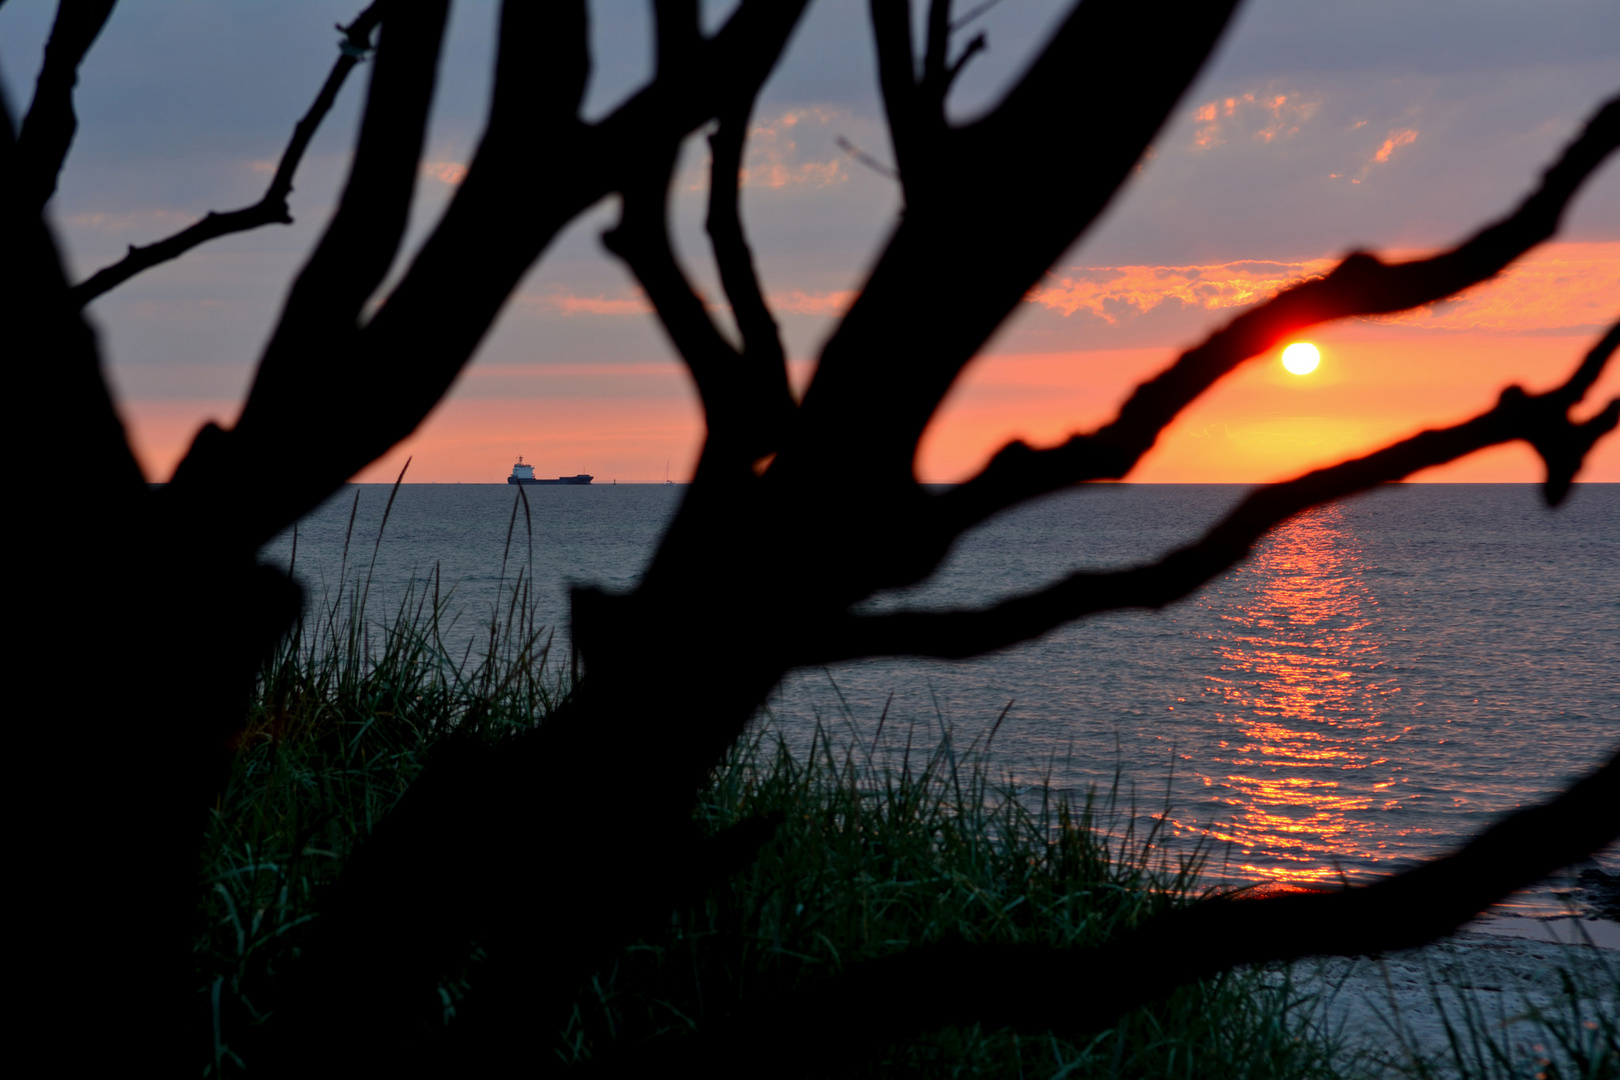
{"x":1301,"y":358}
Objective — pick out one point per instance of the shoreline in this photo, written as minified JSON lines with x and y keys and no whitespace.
{"x":1479,"y":987}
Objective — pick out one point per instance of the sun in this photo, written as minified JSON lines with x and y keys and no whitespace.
{"x":1301,"y":358}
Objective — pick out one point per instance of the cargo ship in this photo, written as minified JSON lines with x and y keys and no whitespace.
{"x":524,"y":474}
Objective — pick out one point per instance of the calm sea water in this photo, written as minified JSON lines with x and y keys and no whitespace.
{"x":1383,"y":676}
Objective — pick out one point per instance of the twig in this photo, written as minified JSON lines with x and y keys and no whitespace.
{"x":866,"y":159}
{"x":272,"y":206}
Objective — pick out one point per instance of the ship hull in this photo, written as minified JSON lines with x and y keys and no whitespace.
{"x":571,"y":480}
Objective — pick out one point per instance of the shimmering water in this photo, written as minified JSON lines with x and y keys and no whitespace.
{"x":1383,"y":677}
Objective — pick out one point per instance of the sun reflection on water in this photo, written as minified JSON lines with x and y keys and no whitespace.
{"x":1303,"y":768}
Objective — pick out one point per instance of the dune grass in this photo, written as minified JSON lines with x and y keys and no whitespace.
{"x":882,"y":844}
{"x":339,"y":725}
{"x":886,"y":845}
{"x":1492,"y":1030}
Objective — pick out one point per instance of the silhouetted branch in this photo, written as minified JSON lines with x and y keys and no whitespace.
{"x":1360,"y":285}
{"x":972,"y":241}
{"x":973,"y":13}
{"x":746,"y":397}
{"x":678,"y":34}
{"x":52,"y":357}
{"x":866,"y":159}
{"x":641,"y":239}
{"x":976,"y":44}
{"x":359,"y":244}
{"x":1037,"y":988}
{"x":939,"y":71}
{"x":378,"y":385}
{"x":47,"y":131}
{"x":915,"y":102}
{"x":936,"y":66}
{"x":272,"y":206}
{"x":761,"y":337}
{"x":769,"y":397}
{"x":1540,"y":419}
{"x":318,"y":324}
{"x":897,"y":76}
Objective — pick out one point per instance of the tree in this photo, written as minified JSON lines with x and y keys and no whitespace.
{"x":760,"y":567}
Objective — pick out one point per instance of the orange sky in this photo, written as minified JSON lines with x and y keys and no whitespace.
{"x":1378,"y":381}
{"x":1374,"y":385}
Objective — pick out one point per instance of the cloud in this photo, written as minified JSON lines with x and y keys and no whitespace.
{"x":141,"y":221}
{"x":773,"y":151}
{"x":1115,"y":293}
{"x":1257,"y":115}
{"x":569,"y":304}
{"x":1557,"y":286}
{"x":1396,"y":140}
{"x":799,"y":302}
{"x":793,"y":301}
{"x":445,"y":172}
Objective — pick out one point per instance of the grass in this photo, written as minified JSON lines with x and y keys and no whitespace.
{"x":340,"y":722}
{"x":880,"y":848}
{"x":882,"y":844}
{"x":1560,"y":1022}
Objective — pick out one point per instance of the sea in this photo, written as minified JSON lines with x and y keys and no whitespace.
{"x":1383,"y":677}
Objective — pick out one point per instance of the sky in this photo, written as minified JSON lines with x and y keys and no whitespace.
{"x":1391,"y":125}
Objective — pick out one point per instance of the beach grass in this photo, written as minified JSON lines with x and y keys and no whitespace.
{"x":879,"y":844}
{"x":340,"y":722}
{"x":887,"y":844}
{"x":1488,"y":1028}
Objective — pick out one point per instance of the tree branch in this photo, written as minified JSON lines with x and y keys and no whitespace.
{"x":360,"y":243}
{"x":973,"y":13}
{"x":641,"y":239}
{"x":768,"y":395}
{"x":897,"y":77}
{"x":972,"y":241}
{"x":746,"y":396}
{"x":1360,"y":285}
{"x":936,"y":67}
{"x":1038,"y":988}
{"x":319,"y":322}
{"x":47,"y":130}
{"x":760,"y":334}
{"x":377,"y":384}
{"x":976,"y":44}
{"x":678,"y":34}
{"x":272,"y":206}
{"x":52,"y":356}
{"x":1540,"y":419}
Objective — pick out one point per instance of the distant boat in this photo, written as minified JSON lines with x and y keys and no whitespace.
{"x":524,"y":474}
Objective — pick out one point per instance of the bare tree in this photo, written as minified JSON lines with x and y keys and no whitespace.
{"x":760,"y":572}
